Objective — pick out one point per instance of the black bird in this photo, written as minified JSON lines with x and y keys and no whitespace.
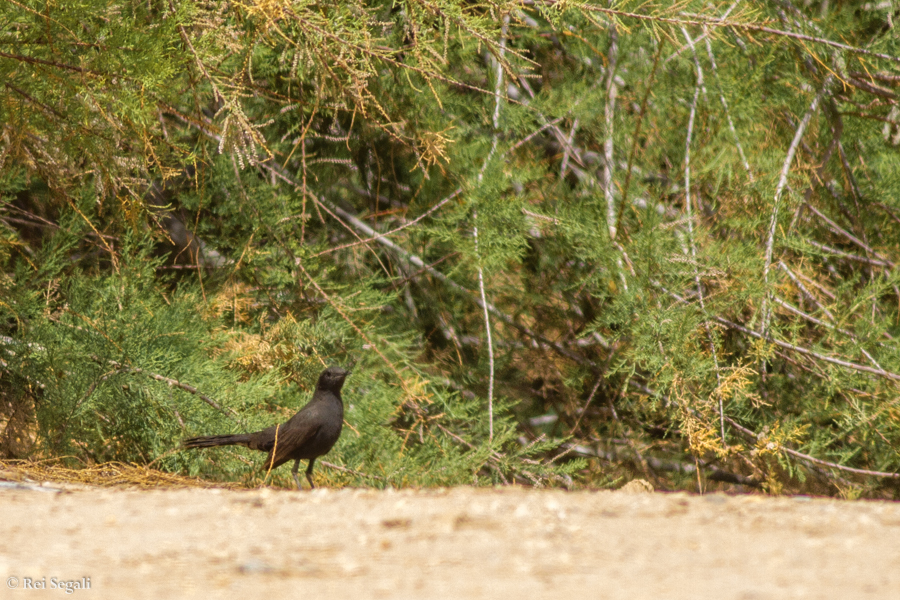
{"x":309,"y":434}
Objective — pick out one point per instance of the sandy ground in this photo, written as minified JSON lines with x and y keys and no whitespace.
{"x":456,"y":543}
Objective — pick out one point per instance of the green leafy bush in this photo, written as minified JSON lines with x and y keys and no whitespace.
{"x":558,"y":243}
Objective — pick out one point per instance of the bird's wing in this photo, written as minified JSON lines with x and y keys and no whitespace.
{"x":287,"y":439}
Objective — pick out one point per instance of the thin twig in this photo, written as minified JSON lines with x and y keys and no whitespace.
{"x":690,"y":223}
{"x":492,"y":460}
{"x":274,"y":451}
{"x":586,"y":404}
{"x":609,"y":114}
{"x":644,"y":466}
{"x":535,"y":133}
{"x":805,"y":291}
{"x":840,"y":230}
{"x":726,"y":24}
{"x":637,"y":133}
{"x":704,"y":36}
{"x":806,"y":351}
{"x":812,"y":459}
{"x":782,"y":182}
{"x":557,"y":132}
{"x":737,"y":140}
{"x":791,"y":308}
{"x":172,"y":382}
{"x":490,"y":345}
{"x":351,"y":471}
{"x":843,"y":363}
{"x":847,"y":255}
{"x":452,"y":195}
{"x":498,"y":83}
{"x":565,"y":161}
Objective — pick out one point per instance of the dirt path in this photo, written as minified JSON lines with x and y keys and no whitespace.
{"x":458,"y":543}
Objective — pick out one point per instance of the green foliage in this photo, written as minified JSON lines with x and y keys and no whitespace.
{"x":687,"y":250}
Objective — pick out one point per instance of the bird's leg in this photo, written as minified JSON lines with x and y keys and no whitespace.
{"x":294,"y":474}
{"x":312,"y":461}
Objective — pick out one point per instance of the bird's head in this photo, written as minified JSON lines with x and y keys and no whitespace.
{"x":332,"y":379}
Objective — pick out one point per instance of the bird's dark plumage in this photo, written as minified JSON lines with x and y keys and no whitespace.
{"x":309,"y":434}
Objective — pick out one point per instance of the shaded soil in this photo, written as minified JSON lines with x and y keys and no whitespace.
{"x":457,"y":543}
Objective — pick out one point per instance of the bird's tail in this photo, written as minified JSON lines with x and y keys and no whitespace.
{"x":209,"y":441}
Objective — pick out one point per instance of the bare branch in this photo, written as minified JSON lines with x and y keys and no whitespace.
{"x":812,"y":459}
{"x":737,"y":140}
{"x":172,"y":382}
{"x":609,"y":113}
{"x":836,"y":361}
{"x":484,"y":303}
{"x":726,"y":24}
{"x":782,"y":182}
{"x":847,"y":255}
{"x":690,"y":226}
{"x":840,"y":230}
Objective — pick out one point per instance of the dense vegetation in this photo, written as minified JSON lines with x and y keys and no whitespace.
{"x":557,"y":242}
